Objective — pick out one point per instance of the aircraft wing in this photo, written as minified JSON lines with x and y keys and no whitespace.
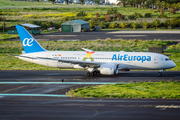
{"x":80,"y":62}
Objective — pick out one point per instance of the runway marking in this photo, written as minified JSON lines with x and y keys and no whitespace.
{"x":95,"y":83}
{"x":62,"y":35}
{"x":129,"y":35}
{"x":14,"y":88}
{"x":146,"y":32}
{"x":167,"y":106}
{"x":39,"y":95}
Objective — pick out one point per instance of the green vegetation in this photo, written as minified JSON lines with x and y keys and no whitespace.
{"x":97,"y":45}
{"x":176,"y":58}
{"x":173,"y":48}
{"x":47,"y":15}
{"x":163,"y":90}
{"x":6,"y":36}
{"x":9,"y":62}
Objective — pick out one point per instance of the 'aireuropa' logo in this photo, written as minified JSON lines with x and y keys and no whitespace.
{"x":28,"y":42}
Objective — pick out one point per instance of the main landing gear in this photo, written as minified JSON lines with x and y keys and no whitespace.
{"x":93,"y":73}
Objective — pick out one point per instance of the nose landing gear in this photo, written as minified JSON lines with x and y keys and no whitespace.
{"x":160,"y":72}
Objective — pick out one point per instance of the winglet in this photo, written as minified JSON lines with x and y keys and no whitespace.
{"x":87,"y":50}
{"x":30,"y":45}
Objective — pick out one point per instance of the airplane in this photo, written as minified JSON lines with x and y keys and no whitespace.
{"x":96,"y":63}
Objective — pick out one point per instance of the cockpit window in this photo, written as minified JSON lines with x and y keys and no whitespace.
{"x":167,"y":59}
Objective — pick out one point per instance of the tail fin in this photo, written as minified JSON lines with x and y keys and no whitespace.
{"x":29,"y":43}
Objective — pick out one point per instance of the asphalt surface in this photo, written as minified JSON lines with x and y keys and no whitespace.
{"x":83,"y":36}
{"x":24,"y":105}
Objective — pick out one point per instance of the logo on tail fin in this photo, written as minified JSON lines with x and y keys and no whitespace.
{"x":28,"y":42}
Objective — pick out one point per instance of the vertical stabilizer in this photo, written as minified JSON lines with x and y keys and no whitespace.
{"x":29,"y":43}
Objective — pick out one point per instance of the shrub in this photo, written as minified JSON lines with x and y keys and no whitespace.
{"x":148,"y":15}
{"x":167,"y":23}
{"x":91,"y":23}
{"x":162,"y":16}
{"x":145,"y":24}
{"x":173,"y":48}
{"x":81,"y":13}
{"x":175,"y":22}
{"x":112,"y":11}
{"x":107,"y":18}
{"x":156,"y":23}
{"x":131,"y":17}
{"x":134,"y":25}
{"x":138,"y":15}
{"x":119,"y":17}
{"x":123,"y":25}
{"x":102,"y":24}
{"x":97,"y":16}
{"x":113,"y":25}
{"x":134,"y":16}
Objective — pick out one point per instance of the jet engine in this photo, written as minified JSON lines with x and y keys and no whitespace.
{"x":109,"y":69}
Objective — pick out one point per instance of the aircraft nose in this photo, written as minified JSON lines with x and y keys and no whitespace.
{"x":173,"y":64}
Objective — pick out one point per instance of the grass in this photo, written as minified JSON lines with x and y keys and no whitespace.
{"x":162,"y":90}
{"x":141,"y":29}
{"x":21,"y":4}
{"x":6,"y":36}
{"x":12,"y":63}
{"x":176,"y":58}
{"x":98,"y":45}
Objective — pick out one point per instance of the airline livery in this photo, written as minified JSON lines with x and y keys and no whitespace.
{"x":105,"y":63}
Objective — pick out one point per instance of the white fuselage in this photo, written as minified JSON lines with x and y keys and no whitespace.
{"x":126,"y":60}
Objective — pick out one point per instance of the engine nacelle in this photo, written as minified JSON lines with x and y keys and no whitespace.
{"x":109,"y":69}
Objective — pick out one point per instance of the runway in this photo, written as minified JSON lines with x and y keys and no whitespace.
{"x":83,"y":36}
{"x":42,"y":95}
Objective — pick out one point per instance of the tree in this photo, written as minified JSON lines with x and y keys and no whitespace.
{"x":82,"y":2}
{"x":97,"y":1}
{"x":131,"y":2}
{"x":107,"y":17}
{"x":143,"y":2}
{"x":147,"y":4}
{"x":52,"y":1}
{"x":123,"y":2}
{"x":66,"y":2}
{"x":97,"y":16}
{"x":164,"y":4}
{"x":159,"y":5}
{"x":152,"y":3}
{"x":119,"y":16}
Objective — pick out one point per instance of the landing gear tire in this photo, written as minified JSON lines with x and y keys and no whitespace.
{"x":160,"y":74}
{"x":88,"y":74}
{"x":92,"y":74}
